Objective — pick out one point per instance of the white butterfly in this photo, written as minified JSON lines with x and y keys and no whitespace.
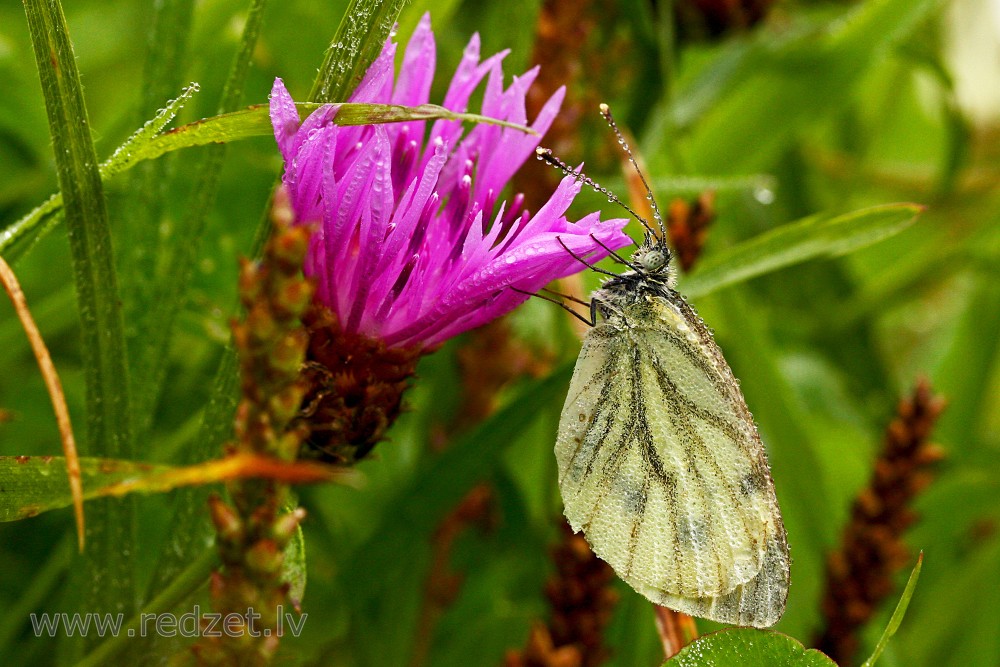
{"x":660,"y":464}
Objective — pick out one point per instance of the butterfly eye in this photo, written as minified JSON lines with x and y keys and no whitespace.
{"x":652,"y":260}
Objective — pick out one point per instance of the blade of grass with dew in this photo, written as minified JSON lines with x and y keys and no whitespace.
{"x":363,"y":30}
{"x":797,"y":242}
{"x":143,"y":211}
{"x":189,"y":527}
{"x":255,"y":121}
{"x":109,"y":574}
{"x":30,"y":485}
{"x":17,"y":239}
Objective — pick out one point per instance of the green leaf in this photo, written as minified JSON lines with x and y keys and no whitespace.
{"x":897,"y":615}
{"x":30,"y":485}
{"x":757,"y":97}
{"x":18,"y":238}
{"x":111,"y":530}
{"x":797,"y":242}
{"x":738,"y":647}
{"x":358,"y":41}
{"x":254,"y":121}
{"x":293,"y":569}
{"x":422,"y":503}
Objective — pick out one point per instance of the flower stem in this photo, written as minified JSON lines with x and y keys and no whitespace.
{"x":188,"y":581}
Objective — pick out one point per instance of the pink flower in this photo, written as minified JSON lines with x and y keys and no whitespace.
{"x":412,"y":247}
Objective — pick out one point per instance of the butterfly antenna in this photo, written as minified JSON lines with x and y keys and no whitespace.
{"x":545,"y":155}
{"x":606,"y":113}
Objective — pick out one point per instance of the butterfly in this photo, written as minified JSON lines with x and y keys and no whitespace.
{"x":660,"y":463}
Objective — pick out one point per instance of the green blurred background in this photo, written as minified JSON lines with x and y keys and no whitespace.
{"x":818,"y":107}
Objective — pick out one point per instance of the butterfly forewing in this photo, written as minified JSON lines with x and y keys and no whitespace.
{"x":660,"y":465}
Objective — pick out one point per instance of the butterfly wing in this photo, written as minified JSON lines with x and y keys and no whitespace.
{"x":661,"y":466}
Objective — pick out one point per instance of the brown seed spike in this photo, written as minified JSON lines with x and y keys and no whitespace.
{"x":860,"y":573}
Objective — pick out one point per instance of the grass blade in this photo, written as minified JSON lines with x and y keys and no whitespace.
{"x":189,"y":528}
{"x":109,"y":576}
{"x":358,"y":41}
{"x":797,"y":242}
{"x":897,"y":615}
{"x":30,"y":485}
{"x":18,"y":238}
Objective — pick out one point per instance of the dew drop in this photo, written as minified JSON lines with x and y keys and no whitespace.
{"x":764,"y":195}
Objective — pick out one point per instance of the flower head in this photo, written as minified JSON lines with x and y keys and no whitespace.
{"x":412,"y":247}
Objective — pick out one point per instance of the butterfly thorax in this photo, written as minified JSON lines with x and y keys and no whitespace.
{"x":651,"y":275}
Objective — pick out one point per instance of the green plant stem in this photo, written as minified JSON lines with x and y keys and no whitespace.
{"x":186,"y":583}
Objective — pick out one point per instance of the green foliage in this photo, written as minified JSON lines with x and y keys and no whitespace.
{"x":34,"y":484}
{"x":798,"y":242}
{"x":740,"y":647}
{"x":109,"y":572}
{"x":828,"y":299}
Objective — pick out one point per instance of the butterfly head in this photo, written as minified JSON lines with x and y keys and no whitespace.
{"x":652,"y":260}
{"x":652,"y":256}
